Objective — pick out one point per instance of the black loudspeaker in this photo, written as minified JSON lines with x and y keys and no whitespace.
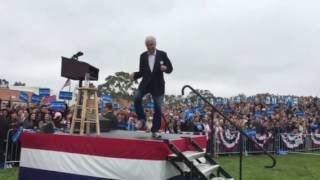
{"x":77,"y":70}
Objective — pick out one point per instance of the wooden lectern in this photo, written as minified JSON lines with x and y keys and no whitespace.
{"x":86,"y":111}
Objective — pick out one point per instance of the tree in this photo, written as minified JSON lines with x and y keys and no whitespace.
{"x":194,"y":99}
{"x":18,"y":83}
{"x":4,"y":83}
{"x":119,"y":86}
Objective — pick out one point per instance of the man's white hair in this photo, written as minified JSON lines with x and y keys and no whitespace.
{"x":151,"y":39}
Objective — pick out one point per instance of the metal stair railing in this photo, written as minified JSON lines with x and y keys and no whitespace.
{"x":185,"y":160}
{"x":242,"y":133}
{"x":209,"y":159}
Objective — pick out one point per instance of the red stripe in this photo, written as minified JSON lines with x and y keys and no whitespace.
{"x":201,"y":141}
{"x":102,"y":146}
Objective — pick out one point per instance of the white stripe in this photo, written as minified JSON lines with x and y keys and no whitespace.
{"x":96,"y":166}
{"x":302,"y":153}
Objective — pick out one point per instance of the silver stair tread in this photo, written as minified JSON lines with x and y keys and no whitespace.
{"x":221,"y":178}
{"x":207,"y":169}
{"x":191,"y":155}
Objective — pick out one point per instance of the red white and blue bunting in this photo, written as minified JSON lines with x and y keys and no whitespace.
{"x":315,"y":137}
{"x":228,"y":138}
{"x":263,"y":139}
{"x":292,"y":141}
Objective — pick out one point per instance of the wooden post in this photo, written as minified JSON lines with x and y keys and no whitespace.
{"x":83,"y":111}
{"x":89,"y":115}
{"x":75,"y":114}
{"x":96,"y":105}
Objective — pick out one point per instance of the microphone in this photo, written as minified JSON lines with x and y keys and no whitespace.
{"x":76,"y":56}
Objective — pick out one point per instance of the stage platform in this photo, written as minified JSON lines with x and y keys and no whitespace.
{"x":141,"y":135}
{"x":113,"y":155}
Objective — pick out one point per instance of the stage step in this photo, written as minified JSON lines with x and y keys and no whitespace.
{"x":221,"y":178}
{"x":88,"y":108}
{"x":86,"y":121}
{"x":191,"y":155}
{"x":198,"y":162}
{"x":207,"y":169}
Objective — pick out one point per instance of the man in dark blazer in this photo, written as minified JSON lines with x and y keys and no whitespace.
{"x":153,"y":64}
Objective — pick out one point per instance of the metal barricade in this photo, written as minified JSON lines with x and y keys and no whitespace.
{"x":277,"y":143}
{"x":298,"y":143}
{"x":248,"y":146}
{"x":12,"y":150}
{"x":252,"y":148}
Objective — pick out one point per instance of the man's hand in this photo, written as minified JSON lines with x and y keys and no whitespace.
{"x":131,"y":76}
{"x":163,"y":68}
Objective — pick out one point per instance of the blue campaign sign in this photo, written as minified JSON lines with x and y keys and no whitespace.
{"x":270,"y":113}
{"x":295,"y":102}
{"x":258,"y":115}
{"x":251,"y":132}
{"x":106,"y":98}
{"x":274,"y":100}
{"x":280,"y":99}
{"x":65,"y":95}
{"x":44,"y":92}
{"x":116,"y":106}
{"x":250,"y":98}
{"x":238,"y":99}
{"x":227,"y":110}
{"x":190,"y":115}
{"x":132,"y":108}
{"x":289,"y":102}
{"x":36,"y":99}
{"x":268,"y":100}
{"x":218,"y":101}
{"x":300,"y":114}
{"x":150,"y":105}
{"x":225,"y":100}
{"x":24,"y":96}
{"x":58,"y":106}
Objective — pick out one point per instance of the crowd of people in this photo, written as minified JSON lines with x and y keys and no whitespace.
{"x":260,"y":113}
{"x":256,"y":113}
{"x":286,"y":115}
{"x":39,"y":118}
{"x":35,"y":117}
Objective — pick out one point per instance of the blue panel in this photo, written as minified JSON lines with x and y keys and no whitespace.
{"x":35,"y":99}
{"x":58,"y":105}
{"x":106,"y":98}
{"x":44,"y":92}
{"x":65,"y":95}
{"x":37,"y":174}
{"x":24,"y":96}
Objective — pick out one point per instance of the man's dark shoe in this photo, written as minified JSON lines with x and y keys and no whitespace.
{"x":156,"y":135}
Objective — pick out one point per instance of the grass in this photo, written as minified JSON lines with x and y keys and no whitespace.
{"x":9,"y":174}
{"x":290,"y":167}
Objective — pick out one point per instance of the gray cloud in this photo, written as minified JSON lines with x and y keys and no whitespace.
{"x":229,"y":47}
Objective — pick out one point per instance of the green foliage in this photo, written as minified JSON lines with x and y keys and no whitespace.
{"x":9,"y":174}
{"x":290,"y":167}
{"x":119,"y":86}
{"x":18,"y":83}
{"x":193,"y":98}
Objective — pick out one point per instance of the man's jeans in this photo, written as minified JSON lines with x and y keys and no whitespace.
{"x":156,"y":123}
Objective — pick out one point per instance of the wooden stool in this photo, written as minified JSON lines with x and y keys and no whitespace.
{"x":89,"y":110}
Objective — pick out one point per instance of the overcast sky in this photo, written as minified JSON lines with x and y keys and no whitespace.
{"x":226,"y":46}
